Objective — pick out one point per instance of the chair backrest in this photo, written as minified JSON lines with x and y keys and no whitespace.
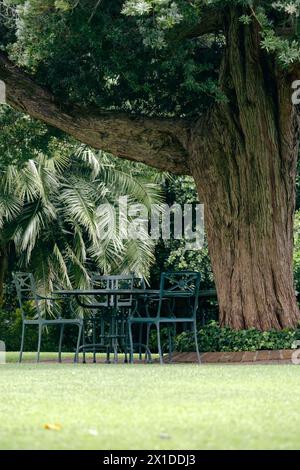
{"x":180,"y":285}
{"x":114,"y":282}
{"x":139,"y":283}
{"x":26,"y":290}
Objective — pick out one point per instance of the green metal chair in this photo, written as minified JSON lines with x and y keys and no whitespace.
{"x":146,"y":301}
{"x":182,"y":288}
{"x":26,"y":291}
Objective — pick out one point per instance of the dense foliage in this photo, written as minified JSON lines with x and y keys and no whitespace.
{"x":214,"y":338}
{"x":158,"y":17}
{"x":101,"y":59}
{"x":172,"y":255}
{"x":138,"y":55}
{"x":22,"y":138}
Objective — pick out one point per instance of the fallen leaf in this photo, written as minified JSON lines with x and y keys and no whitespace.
{"x":164,"y":435}
{"x":52,"y":426}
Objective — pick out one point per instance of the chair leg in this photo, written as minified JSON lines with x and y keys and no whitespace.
{"x":60,"y":341}
{"x":125,"y":339}
{"x":83,"y":344}
{"x":130,"y":343}
{"x":39,"y":344}
{"x":140,"y":341}
{"x":196,"y":342}
{"x":22,"y":343}
{"x":76,"y":357}
{"x":107,"y":360}
{"x":147,"y":353}
{"x":115,"y":340}
{"x":94,"y":341}
{"x":115,"y":351}
{"x":159,"y":343}
{"x":170,"y":342}
{"x":102,"y":331}
{"x":110,"y":341}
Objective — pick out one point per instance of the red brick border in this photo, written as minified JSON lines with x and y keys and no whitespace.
{"x":239,"y":357}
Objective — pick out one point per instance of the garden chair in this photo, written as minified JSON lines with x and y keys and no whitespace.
{"x":146,"y":300}
{"x":26,"y":291}
{"x":182,"y":288}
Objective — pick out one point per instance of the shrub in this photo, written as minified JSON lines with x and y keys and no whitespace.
{"x":11,"y":329}
{"x":212,"y":337}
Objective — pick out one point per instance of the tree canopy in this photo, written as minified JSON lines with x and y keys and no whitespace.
{"x":193,"y":87}
{"x":154,"y":57}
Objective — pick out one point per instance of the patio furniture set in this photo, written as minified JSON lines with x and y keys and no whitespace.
{"x":115,"y":314}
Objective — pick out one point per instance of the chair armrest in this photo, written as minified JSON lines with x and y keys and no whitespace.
{"x":41,"y":297}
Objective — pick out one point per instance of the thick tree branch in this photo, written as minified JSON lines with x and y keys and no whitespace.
{"x":156,"y":142}
{"x":211,"y":21}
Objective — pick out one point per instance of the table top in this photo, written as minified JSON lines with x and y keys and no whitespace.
{"x":88,"y":292}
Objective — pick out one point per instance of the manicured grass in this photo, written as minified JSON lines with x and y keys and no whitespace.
{"x":31,"y":356}
{"x":13,"y":356}
{"x":149,"y":407}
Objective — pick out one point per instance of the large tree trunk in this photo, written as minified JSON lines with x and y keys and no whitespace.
{"x":249,"y":222}
{"x":245,"y":171}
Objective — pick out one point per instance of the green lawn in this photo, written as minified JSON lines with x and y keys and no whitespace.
{"x":149,"y":407}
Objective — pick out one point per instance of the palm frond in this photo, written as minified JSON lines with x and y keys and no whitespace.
{"x":62,"y":266}
{"x":143,"y":191}
{"x":10,"y":207}
{"x":61,"y":210}
{"x":33,"y":219}
{"x":91,"y":159}
{"x":78,"y":198}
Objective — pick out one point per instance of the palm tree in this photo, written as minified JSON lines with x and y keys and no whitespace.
{"x":52,"y":212}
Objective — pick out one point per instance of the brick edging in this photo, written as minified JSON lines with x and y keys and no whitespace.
{"x":263,"y":356}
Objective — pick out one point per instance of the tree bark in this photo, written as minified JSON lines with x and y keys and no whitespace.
{"x":156,"y":142}
{"x":245,"y":171}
